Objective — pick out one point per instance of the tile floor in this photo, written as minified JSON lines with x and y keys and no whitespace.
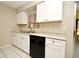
{"x":12,"y":52}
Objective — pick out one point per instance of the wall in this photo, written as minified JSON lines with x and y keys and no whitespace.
{"x":7,"y":24}
{"x":68,"y":17}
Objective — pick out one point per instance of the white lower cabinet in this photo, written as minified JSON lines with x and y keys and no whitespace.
{"x":14,"y":39}
{"x":22,"y":41}
{"x":54,"y":48}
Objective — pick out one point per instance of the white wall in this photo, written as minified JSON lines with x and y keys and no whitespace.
{"x":68,"y":17}
{"x":7,"y":24}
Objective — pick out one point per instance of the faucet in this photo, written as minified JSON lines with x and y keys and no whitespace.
{"x":31,"y":30}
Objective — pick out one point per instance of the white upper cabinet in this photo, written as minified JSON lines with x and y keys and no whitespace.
{"x":41,"y":12}
{"x":49,"y":11}
{"x":22,"y":18}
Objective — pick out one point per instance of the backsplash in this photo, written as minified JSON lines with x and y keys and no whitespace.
{"x":51,"y":27}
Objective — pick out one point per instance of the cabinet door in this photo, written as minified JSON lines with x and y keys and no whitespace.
{"x":22,"y":18}
{"x":13,"y":38}
{"x":25,"y":43}
{"x":54,"y":10}
{"x":19,"y":18}
{"x":49,"y":11}
{"x":21,"y":41}
{"x":41,"y":12}
{"x":17,"y":40}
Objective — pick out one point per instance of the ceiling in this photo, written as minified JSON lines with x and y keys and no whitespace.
{"x":13,"y":4}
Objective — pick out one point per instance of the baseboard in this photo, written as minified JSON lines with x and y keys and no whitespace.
{"x":5,"y":45}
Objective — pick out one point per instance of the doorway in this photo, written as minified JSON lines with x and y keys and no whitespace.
{"x":76,"y":32}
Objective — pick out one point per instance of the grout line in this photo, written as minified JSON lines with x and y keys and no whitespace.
{"x":21,"y":50}
{"x":16,"y":52}
{"x":12,"y":51}
{"x":3,"y":53}
{"x":5,"y":46}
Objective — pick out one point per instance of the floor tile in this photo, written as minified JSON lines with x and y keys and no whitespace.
{"x":13,"y":55}
{"x":2,"y":54}
{"x":21,"y":53}
{"x":12,"y":52}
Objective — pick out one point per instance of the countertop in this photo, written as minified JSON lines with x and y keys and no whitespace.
{"x":58,"y":36}
{"x":51,"y":35}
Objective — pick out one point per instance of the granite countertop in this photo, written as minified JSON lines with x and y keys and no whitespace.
{"x":58,"y":36}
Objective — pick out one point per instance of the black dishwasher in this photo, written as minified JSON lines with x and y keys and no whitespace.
{"x":37,"y":46}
